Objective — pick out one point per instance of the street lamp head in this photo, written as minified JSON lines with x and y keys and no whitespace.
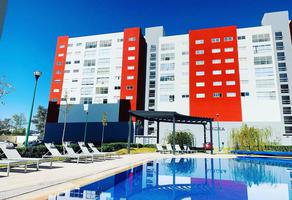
{"x":37,"y":74}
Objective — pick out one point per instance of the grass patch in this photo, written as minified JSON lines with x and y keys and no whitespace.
{"x":136,"y":150}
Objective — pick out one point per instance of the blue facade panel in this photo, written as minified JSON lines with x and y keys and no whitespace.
{"x":114,"y":132}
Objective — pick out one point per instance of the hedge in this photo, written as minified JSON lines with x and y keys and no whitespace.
{"x":40,"y":150}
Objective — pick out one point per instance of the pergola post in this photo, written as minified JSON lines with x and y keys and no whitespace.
{"x":129,"y":133}
{"x":205,"y":137}
{"x":211,"y":137}
{"x":173,"y":135}
{"x":157,"y":136}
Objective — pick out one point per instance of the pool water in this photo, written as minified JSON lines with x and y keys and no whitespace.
{"x":200,"y":179}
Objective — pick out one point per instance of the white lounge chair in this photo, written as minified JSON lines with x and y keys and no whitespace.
{"x":12,"y":154}
{"x":11,"y":163}
{"x":169,"y":148}
{"x":70,"y":151}
{"x":86,"y":151}
{"x":160,"y":149}
{"x":188,"y":150}
{"x":95,"y":150}
{"x":178,"y":149}
{"x":56,"y":154}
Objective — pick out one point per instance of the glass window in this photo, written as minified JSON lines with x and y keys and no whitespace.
{"x":286,"y":110}
{"x":282,"y":67}
{"x":131,"y":67}
{"x":281,"y":56}
{"x":265,"y":83}
{"x":167,"y":67}
{"x":230,"y":82}
{"x":217,"y":95}
{"x":85,"y":100}
{"x":167,"y":78}
{"x":262,"y":48}
{"x":244,"y":94}
{"x":264,"y":72}
{"x":90,"y":45}
{"x":200,"y":95}
{"x":266,"y":95}
{"x":229,"y":60}
{"x":278,"y":36}
{"x":132,"y":39}
{"x":105,"y":43}
{"x":228,"y":39}
{"x":229,"y":71}
{"x":130,"y":77}
{"x":263,"y":60}
{"x":129,"y":87}
{"x":279,"y":45}
{"x":167,"y":46}
{"x":285,"y":99}
{"x":86,"y":90}
{"x":76,"y":61}
{"x":68,"y":62}
{"x":283,"y":77}
{"x":199,"y":52}
{"x":131,"y":48}
{"x":200,"y":84}
{"x":229,"y":49}
{"x":88,"y":63}
{"x":216,"y":61}
{"x":216,"y":50}
{"x":200,"y":62}
{"x":217,"y":83}
{"x":215,"y":40}
{"x":200,"y":73}
{"x":131,"y":57}
{"x":217,"y":72}
{"x":199,"y":42}
{"x":241,"y":37}
{"x":167,"y":56}
{"x":231,"y":94}
{"x":87,"y":81}
{"x":284,"y":88}
{"x":288,"y":119}
{"x":261,"y":37}
{"x":101,"y":90}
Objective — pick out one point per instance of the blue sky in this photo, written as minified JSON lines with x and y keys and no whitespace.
{"x":32,"y":26}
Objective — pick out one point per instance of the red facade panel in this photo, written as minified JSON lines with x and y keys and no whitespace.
{"x":202,"y":59}
{"x":59,"y":66}
{"x":133,"y":68}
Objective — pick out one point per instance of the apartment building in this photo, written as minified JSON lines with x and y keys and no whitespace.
{"x":234,"y":75}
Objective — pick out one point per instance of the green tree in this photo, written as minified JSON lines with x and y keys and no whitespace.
{"x":18,"y":122}
{"x":250,"y":138}
{"x":39,"y":120}
{"x":5,"y":126}
{"x":5,"y":88}
{"x":181,"y":138}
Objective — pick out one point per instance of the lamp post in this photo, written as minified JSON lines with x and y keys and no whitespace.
{"x":85,"y":108}
{"x":217,"y":117}
{"x":37,"y":74}
{"x":104,"y":123}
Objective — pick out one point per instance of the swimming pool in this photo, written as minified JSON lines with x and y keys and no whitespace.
{"x":187,"y":178}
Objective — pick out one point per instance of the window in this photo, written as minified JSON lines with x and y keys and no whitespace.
{"x":130,"y":77}
{"x":288,"y":129}
{"x":129,"y":87}
{"x":266,"y":95}
{"x":167,"y":56}
{"x":105,"y":43}
{"x":200,"y":84}
{"x":78,"y":44}
{"x":262,"y":48}
{"x":62,"y":46}
{"x":101,"y":90}
{"x":132,"y":39}
{"x":90,"y":45}
{"x":282,"y":67}
{"x":152,"y":66}
{"x":152,"y":48}
{"x":264,"y":72}
{"x":216,"y":61}
{"x":217,"y":83}
{"x":86,"y":90}
{"x":285,"y":100}
{"x":199,"y":52}
{"x":200,"y":73}
{"x":199,"y":42}
{"x":103,"y":71}
{"x":89,"y":53}
{"x":231,"y":94}
{"x":278,"y":36}
{"x":185,"y":96}
{"x":229,"y":71}
{"x":167,"y":46}
{"x":88,"y":71}
{"x":59,"y":63}
{"x":228,"y":39}
{"x":230,"y":82}
{"x":167,"y":67}
{"x":279,"y":45}
{"x":200,"y":62}
{"x":200,"y":95}
{"x":104,"y":101}
{"x":167,"y":78}
{"x":229,"y":60}
{"x":88,"y":63}
{"x":217,"y":95}
{"x":129,"y":97}
{"x":217,"y":72}
{"x":85,"y":100}
{"x":151,"y":102}
{"x":283,"y":78}
{"x":241,"y":37}
{"x":131,"y":67}
{"x":244,"y":94}
{"x":153,"y":56}
{"x":152,"y":84}
{"x":102,"y":80}
{"x":54,"y":99}
{"x":261,"y":37}
{"x":286,"y":110}
{"x":281,"y":56}
{"x":66,"y":71}
{"x":68,"y":62}
{"x":284,"y":88}
{"x":60,"y":72}
{"x":288,"y":119}
{"x":57,"y":81}
{"x":215,"y":40}
{"x":117,"y":87}
{"x":229,"y":49}
{"x":120,"y":40}
{"x":131,"y":57}
{"x":151,"y":93}
{"x":265,"y":83}
{"x":56,"y":90}
{"x":171,"y":98}
{"x":74,"y":80}
{"x":76,"y":61}
{"x":72,"y":99}
{"x":87,"y":81}
{"x":60,"y":55}
{"x":131,"y":48}
{"x":216,"y":50}
{"x":263,"y":60}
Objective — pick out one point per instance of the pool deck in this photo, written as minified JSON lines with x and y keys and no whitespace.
{"x":40,"y":184}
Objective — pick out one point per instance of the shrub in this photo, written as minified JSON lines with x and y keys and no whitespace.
{"x":181,"y":138}
{"x":250,"y":138}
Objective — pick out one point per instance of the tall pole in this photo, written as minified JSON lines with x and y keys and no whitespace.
{"x":85,"y":129}
{"x":104,"y":123}
{"x":173,"y":135}
{"x":37,"y":74}
{"x":129,"y":133}
{"x":218,"y":133}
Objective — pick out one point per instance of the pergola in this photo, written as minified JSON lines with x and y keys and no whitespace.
{"x":170,"y":117}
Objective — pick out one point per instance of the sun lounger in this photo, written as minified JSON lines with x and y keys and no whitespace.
{"x":70,"y":151}
{"x":169,"y":148}
{"x":178,"y":149}
{"x":95,"y":150}
{"x":8,"y":164}
{"x":85,"y":150}
{"x":188,"y":150}
{"x":160,"y":149}
{"x":12,"y":154}
{"x":56,"y":154}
